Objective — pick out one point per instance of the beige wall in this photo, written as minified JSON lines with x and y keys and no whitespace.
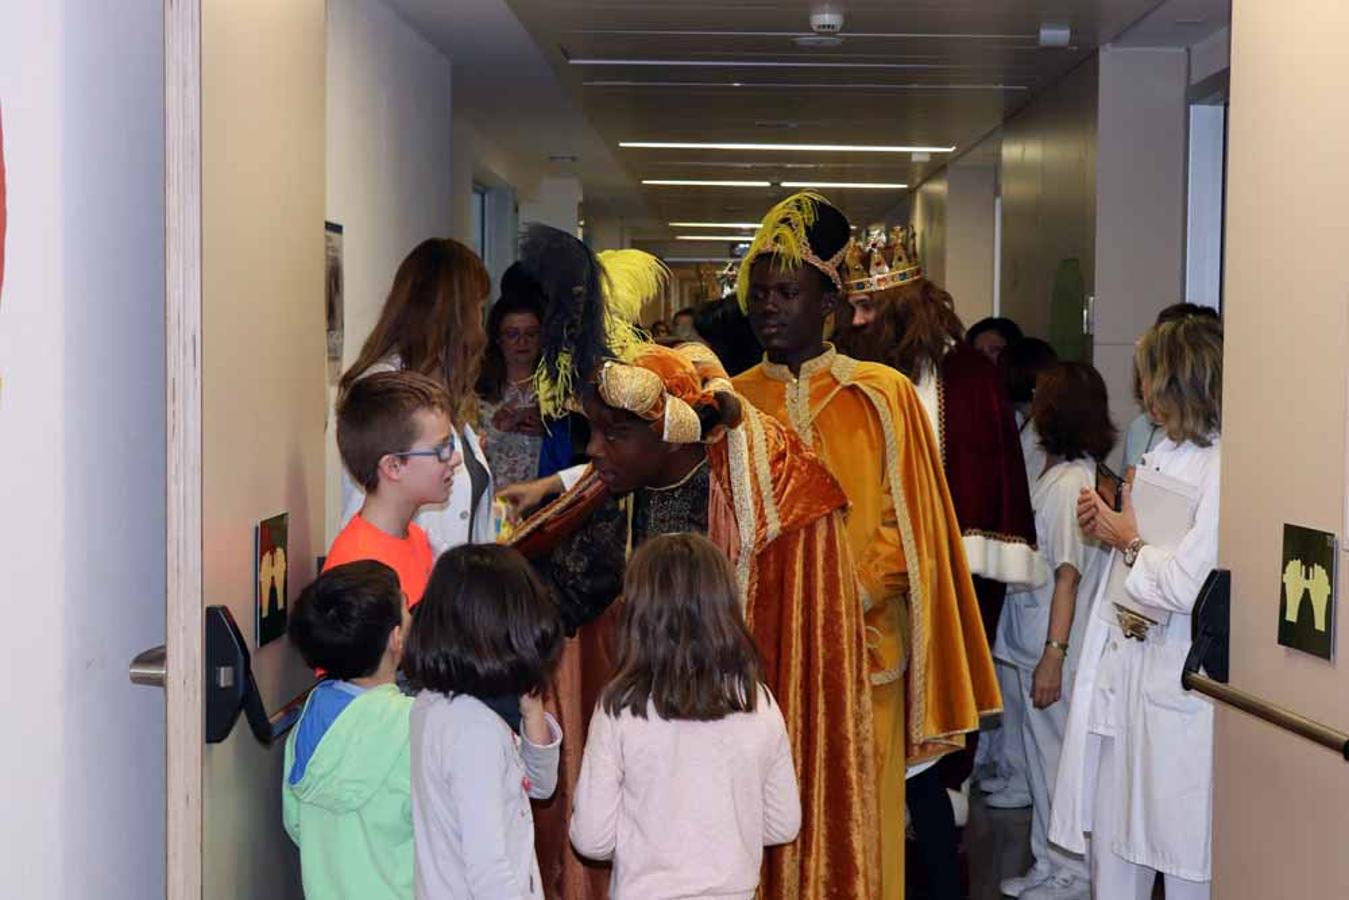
{"x":263,"y":381}
{"x":970,"y":194}
{"x":1048,"y":180}
{"x":1142,"y":129}
{"x":929,"y":221}
{"x":1280,"y":801}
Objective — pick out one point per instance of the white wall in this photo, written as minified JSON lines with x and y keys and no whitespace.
{"x":393,"y":178}
{"x":971,"y":190}
{"x":82,"y":448}
{"x":1140,"y":205}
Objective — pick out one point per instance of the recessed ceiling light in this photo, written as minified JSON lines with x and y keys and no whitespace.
{"x":737,"y":238}
{"x":684,"y":182}
{"x":714,"y":224}
{"x":794,"y":148}
{"x":846,"y":185}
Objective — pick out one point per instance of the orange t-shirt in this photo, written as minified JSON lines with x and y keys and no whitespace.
{"x":410,"y":556}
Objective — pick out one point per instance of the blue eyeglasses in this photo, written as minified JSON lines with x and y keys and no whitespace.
{"x":442,"y":452}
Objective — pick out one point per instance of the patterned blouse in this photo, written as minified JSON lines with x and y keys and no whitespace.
{"x":513,"y":434}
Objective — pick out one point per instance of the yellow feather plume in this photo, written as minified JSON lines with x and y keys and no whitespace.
{"x":632,"y":278}
{"x":782,"y":234}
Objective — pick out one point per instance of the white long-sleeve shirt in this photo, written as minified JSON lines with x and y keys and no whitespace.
{"x":685,"y":808}
{"x":472,"y":779}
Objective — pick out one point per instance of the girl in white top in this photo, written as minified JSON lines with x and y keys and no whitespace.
{"x":687,"y":773}
{"x":1041,"y":628}
{"x":1137,"y":765}
{"x":485,"y":628}
{"x":431,"y":323}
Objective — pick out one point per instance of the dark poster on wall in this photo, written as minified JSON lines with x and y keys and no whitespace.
{"x":1307,"y":591}
{"x":270,"y":570}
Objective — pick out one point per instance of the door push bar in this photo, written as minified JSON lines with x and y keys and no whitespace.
{"x":231,"y":688}
{"x":1210,"y":631}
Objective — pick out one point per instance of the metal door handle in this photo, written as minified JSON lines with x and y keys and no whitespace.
{"x":149,"y":667}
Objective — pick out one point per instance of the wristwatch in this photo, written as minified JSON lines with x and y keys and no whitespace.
{"x":1061,"y":646}
{"x":1131,"y":551}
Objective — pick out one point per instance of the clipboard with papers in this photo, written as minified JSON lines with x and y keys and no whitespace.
{"x":1164,"y":509}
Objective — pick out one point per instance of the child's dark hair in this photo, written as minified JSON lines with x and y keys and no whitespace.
{"x":341,"y":622}
{"x":682,"y":642}
{"x":486,"y":626}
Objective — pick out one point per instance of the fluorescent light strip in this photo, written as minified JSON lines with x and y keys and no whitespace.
{"x":801,"y":148}
{"x":714,"y":224}
{"x":768,"y":64}
{"x":807,"y":86}
{"x":736,"y":238}
{"x":684,"y":182}
{"x":1026,"y":36}
{"x":846,"y":185}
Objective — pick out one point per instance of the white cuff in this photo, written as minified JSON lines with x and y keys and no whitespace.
{"x":1011,"y":562}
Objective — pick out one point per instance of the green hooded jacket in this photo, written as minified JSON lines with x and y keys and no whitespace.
{"x":351,"y":812}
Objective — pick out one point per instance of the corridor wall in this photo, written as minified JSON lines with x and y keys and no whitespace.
{"x":1279,"y":800}
{"x":82,"y":448}
{"x":390,"y":182}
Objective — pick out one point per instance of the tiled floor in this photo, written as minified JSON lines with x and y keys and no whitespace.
{"x":997,"y":846}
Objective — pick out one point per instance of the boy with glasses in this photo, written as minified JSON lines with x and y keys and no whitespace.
{"x":396,"y":439}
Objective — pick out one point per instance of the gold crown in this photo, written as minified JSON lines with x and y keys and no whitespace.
{"x":881,"y":260}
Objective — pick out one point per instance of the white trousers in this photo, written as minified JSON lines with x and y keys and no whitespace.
{"x":1112,"y":876}
{"x":1010,"y":753}
{"x":1042,"y":741}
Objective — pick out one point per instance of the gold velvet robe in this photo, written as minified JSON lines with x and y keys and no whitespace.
{"x":778,"y":515}
{"x":868,"y":426}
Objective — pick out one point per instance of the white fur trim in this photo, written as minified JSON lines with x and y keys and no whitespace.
{"x":1011,"y":562}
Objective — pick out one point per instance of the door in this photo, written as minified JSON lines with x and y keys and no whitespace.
{"x":247,"y":403}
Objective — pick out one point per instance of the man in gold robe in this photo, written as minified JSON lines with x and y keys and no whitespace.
{"x":673,"y":449}
{"x":932,"y":674}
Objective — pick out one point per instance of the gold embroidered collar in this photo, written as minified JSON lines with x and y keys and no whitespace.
{"x":811,"y":367}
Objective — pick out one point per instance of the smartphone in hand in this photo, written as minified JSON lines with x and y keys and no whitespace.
{"x":1110,"y":487}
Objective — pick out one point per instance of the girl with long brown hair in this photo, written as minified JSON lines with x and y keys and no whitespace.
{"x":687,"y":772}
{"x":431,"y":323}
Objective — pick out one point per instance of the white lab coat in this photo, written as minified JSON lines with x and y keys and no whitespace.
{"x":446,"y":524}
{"x":1130,"y":692}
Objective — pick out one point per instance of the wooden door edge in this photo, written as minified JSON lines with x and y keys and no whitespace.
{"x":184,"y":684}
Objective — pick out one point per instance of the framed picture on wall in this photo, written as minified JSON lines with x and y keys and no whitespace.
{"x":332,"y":238}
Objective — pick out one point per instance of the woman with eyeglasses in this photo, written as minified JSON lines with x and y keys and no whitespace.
{"x":519,"y":446}
{"x":1136,"y":771}
{"x":431,"y":323}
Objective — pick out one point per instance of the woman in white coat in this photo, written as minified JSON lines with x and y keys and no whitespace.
{"x":432,"y":323}
{"x":1136,"y":772}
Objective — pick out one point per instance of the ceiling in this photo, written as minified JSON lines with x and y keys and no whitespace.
{"x":938,"y":73}
{"x":563,"y":82}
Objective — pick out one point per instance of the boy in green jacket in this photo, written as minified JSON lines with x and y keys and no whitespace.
{"x":346,"y":794}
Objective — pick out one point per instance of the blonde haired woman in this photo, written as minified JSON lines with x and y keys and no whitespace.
{"x":1137,"y":765}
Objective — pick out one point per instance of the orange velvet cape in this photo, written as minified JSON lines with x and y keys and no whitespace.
{"x":777,"y":514}
{"x":867,"y":424}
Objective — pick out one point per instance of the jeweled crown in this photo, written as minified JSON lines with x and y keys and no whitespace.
{"x":881,"y":260}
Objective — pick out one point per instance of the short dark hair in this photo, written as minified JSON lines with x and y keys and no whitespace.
{"x":486,"y":626}
{"x":1022,"y":363}
{"x":341,"y":622}
{"x":1072,"y":412}
{"x":1177,"y":311}
{"x":1010,"y":331}
{"x":375,"y":418}
{"x":682,"y":642}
